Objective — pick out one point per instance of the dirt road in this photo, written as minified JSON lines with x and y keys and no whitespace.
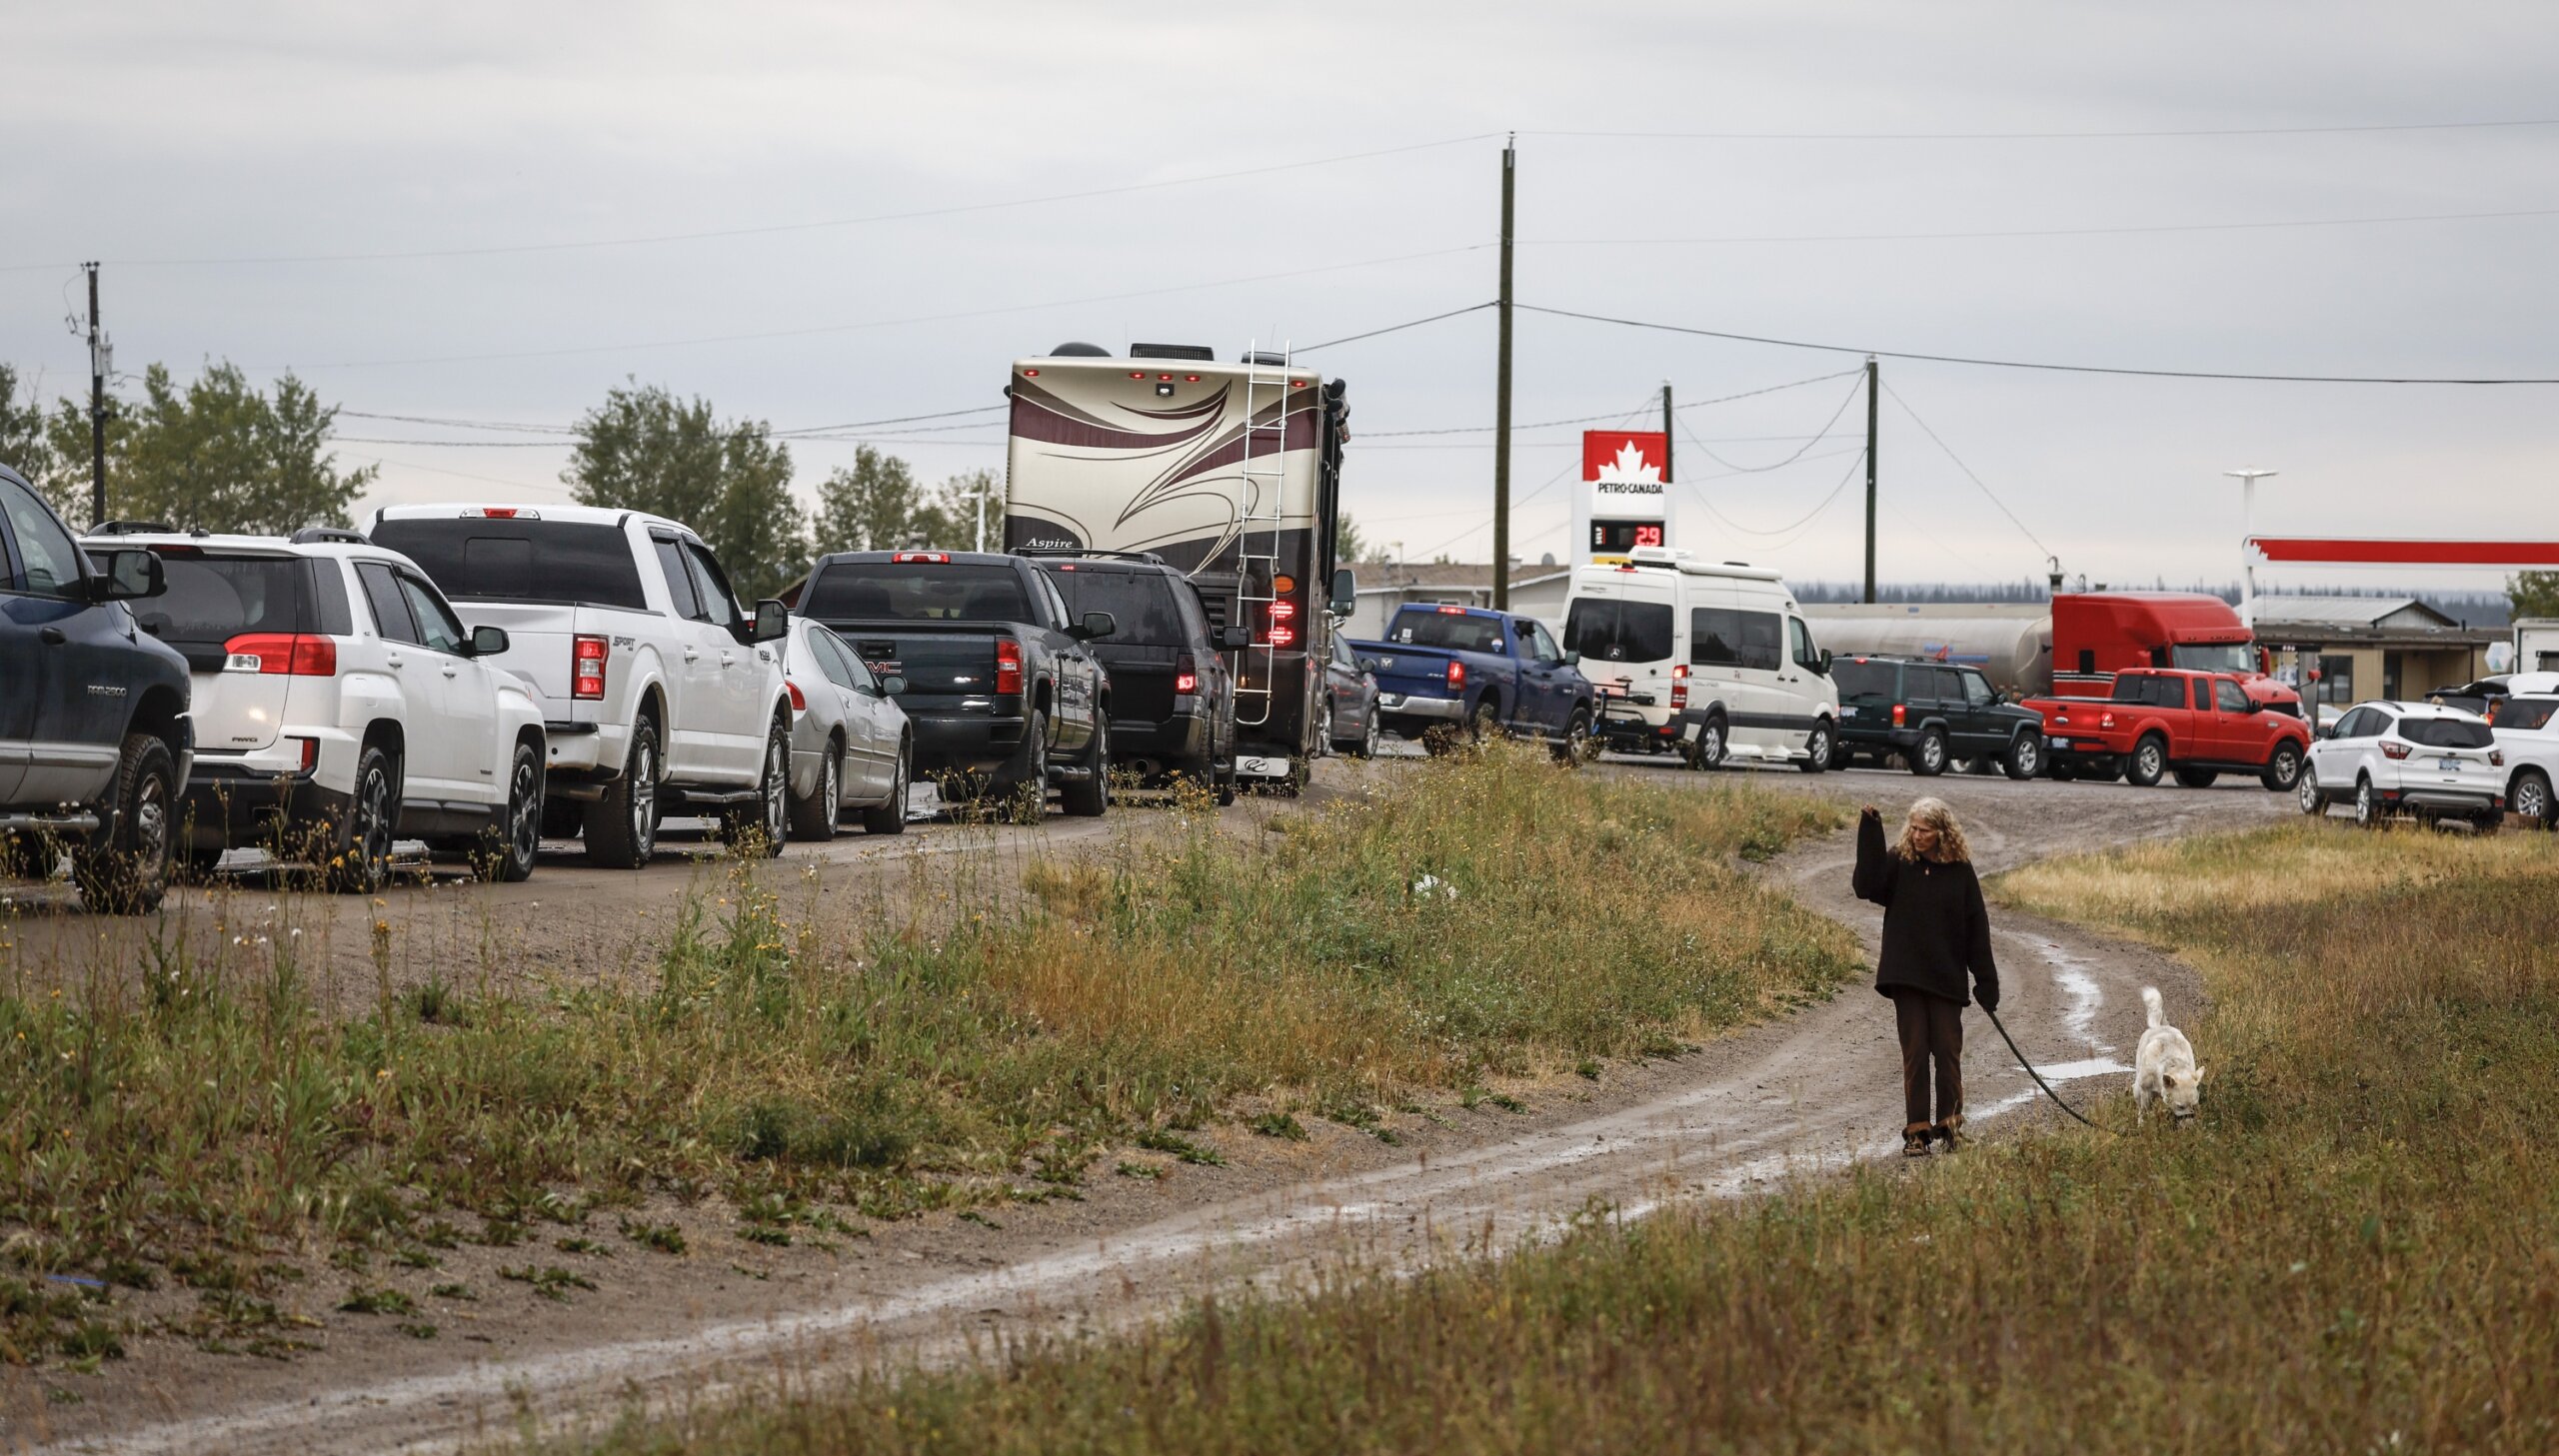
{"x":1808,"y":1093}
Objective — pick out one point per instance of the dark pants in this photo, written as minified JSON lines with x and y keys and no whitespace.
{"x":1930,"y":1026}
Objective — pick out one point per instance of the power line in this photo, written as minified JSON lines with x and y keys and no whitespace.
{"x":2433,"y":217}
{"x":1854,"y":467}
{"x":2078,"y":136}
{"x":1967,"y":470}
{"x":647,"y":240}
{"x":1746,"y":469}
{"x":2028,"y":364}
{"x":1622,"y":418}
{"x":1399,"y":327}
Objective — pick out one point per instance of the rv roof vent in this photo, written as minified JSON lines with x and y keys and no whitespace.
{"x":1200,"y":351}
{"x":1071,"y":349}
{"x":1265,"y":358}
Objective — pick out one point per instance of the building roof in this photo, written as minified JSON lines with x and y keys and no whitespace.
{"x":1450,"y":576}
{"x":2372,"y":614}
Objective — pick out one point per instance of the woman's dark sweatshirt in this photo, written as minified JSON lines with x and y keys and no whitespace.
{"x":1934,"y":924}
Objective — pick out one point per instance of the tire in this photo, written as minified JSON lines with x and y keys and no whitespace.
{"x":1711,"y":747}
{"x":1035,"y":752}
{"x":124,"y":868}
{"x":2197,"y":778}
{"x":1223,"y":782}
{"x":2024,"y":758}
{"x":1485,"y":722}
{"x":360,"y":850}
{"x":2305,"y":789}
{"x":1090,"y":798}
{"x":2531,"y":797}
{"x":508,"y":851}
{"x":1574,"y":749}
{"x":2283,"y":769}
{"x":622,"y":826}
{"x":1928,"y":758}
{"x":812,"y":819}
{"x":2367,"y":804}
{"x":1323,"y":728}
{"x":2148,"y":763}
{"x":888,"y":816}
{"x":769,"y":814}
{"x":1369,"y":739}
{"x":1817,"y":749}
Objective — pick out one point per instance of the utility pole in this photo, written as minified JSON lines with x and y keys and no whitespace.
{"x":1665,"y":461}
{"x":1873,"y":381}
{"x":98,"y":369}
{"x":1502,"y":398}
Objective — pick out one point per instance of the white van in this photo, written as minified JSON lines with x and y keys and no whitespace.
{"x":1707,"y":660}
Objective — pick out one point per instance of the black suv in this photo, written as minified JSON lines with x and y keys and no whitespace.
{"x":94,"y":735}
{"x":1931,"y":714}
{"x":1173,"y":695}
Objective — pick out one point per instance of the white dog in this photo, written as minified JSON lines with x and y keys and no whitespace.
{"x":2164,"y":1065}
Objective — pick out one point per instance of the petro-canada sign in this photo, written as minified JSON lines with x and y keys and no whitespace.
{"x":1624,"y":500}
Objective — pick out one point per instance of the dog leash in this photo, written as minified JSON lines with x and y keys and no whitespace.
{"x":2030,"y":1070}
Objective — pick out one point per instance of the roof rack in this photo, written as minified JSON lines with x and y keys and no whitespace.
{"x":310,"y":535}
{"x":135,"y":528}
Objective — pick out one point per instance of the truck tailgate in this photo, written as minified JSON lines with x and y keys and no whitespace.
{"x":1403,"y":669}
{"x":935,"y":664}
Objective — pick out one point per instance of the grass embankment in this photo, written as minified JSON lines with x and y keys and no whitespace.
{"x":2353,"y":1251}
{"x":964,"y":1043}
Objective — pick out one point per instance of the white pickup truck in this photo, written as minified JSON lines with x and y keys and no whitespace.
{"x":660,"y":692}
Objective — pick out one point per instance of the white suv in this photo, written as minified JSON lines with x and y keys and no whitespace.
{"x":659,"y":691}
{"x":2386,"y":756}
{"x":339,"y":705}
{"x":2527,"y":730}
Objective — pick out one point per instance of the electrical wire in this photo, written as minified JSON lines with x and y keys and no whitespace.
{"x":1702,"y":500}
{"x":1400,"y":327}
{"x":1967,"y":470}
{"x":1745,"y":469}
{"x":2132,"y":229}
{"x":2081,"y":135}
{"x":2028,"y":364}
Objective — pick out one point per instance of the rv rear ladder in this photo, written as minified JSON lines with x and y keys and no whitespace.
{"x":1258,"y":519}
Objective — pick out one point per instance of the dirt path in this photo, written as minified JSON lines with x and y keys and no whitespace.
{"x":1808,"y":1094}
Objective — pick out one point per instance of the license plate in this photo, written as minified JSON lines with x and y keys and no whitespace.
{"x":1260,"y":767}
{"x":2448,"y":765}
{"x":2062,"y":742}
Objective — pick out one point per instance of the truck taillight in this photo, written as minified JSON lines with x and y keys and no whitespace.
{"x":798,"y":699}
{"x":1678,"y":685}
{"x":1457,"y":675}
{"x":586,"y":666}
{"x":1185,"y":674}
{"x":1008,"y":666}
{"x":296,"y":654}
{"x":1901,"y":715}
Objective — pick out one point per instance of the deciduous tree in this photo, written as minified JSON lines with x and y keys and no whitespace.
{"x":2533,"y":593}
{"x":874,"y":503}
{"x":645,"y":450}
{"x":216,"y":455}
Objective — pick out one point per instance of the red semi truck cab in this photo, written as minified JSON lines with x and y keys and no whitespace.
{"x":2096,"y":634}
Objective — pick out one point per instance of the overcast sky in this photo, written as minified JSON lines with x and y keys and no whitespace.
{"x":159,"y":137}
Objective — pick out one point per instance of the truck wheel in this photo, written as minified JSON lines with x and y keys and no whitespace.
{"x":1928,"y":758}
{"x":768,"y":815}
{"x":2025,"y":757}
{"x":1710,"y":747}
{"x":1034,"y":778}
{"x":1574,"y":749}
{"x":813,"y":818}
{"x":1817,"y":749}
{"x":888,"y":816}
{"x":2306,"y":792}
{"x":622,"y":826}
{"x":124,"y":868}
{"x":506,"y":851}
{"x":360,"y":850}
{"x":2197,"y":778}
{"x":2150,"y":761}
{"x":2283,"y":769}
{"x":1090,"y":798}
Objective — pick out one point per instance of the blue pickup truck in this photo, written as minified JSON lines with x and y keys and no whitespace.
{"x":1452,"y":673}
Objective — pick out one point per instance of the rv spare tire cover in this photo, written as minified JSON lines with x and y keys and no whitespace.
{"x":1073,"y":350}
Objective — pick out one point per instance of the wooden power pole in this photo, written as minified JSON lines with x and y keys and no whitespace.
{"x":1874,"y":379}
{"x":1502,"y":400}
{"x":97,"y":407}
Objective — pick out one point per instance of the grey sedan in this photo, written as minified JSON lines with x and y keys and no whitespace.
{"x":851,"y":747}
{"x":1350,"y":702}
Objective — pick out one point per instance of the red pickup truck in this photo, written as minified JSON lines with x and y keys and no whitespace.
{"x":2160,"y":720}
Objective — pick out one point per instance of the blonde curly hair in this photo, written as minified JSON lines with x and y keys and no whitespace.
{"x":1952,"y":848}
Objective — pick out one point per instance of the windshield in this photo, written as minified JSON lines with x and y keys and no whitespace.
{"x":1139,"y":602}
{"x":916,"y":591}
{"x":560,"y":561}
{"x":2218,"y":657}
{"x":2446,"y":732}
{"x":1619,"y":632}
{"x":1862,"y":680}
{"x":1456,"y":632}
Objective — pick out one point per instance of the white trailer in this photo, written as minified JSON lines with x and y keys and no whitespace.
{"x":2537,"y":645}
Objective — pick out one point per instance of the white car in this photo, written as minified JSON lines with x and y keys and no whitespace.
{"x":340,"y":704}
{"x":2383,"y":757}
{"x":660,"y":692}
{"x":851,"y":744}
{"x":2527,"y":732}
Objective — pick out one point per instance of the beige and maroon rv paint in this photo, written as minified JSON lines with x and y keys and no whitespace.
{"x":1230,"y":473}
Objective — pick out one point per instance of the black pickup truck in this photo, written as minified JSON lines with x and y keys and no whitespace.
{"x":94,"y":735}
{"x":1001,"y":686}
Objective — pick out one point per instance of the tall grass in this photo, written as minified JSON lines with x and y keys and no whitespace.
{"x":2357,"y":1248}
{"x":965,"y":1041}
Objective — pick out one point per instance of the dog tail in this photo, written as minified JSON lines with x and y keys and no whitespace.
{"x":2151,"y":1004}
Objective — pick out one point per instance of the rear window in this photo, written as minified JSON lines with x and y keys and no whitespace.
{"x":2526,"y":714}
{"x":564,"y":561}
{"x":1454,"y":631}
{"x":916,"y":591}
{"x":2152,"y":692}
{"x":1863,"y":680}
{"x":1142,"y":603}
{"x":214,"y":598}
{"x":1619,"y":632}
{"x":2446,"y":732}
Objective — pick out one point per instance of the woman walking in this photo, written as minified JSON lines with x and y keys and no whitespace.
{"x":1935,"y":928}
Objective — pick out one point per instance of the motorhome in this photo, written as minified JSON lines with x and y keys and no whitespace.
{"x":1711,"y":661}
{"x":1230,"y":473}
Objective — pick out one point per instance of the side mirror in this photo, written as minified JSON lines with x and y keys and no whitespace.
{"x":1345,"y":593}
{"x":773,"y":621}
{"x":1572,"y":659}
{"x":2255,"y":706}
{"x":893,"y":684}
{"x":1368,"y":665}
{"x":488,"y":642}
{"x":130,"y":574}
{"x":1094,"y":624}
{"x":1234,"y":638}
{"x":1822,"y":665}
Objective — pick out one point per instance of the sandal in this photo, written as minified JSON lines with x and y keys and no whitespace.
{"x":1914,"y":1140}
{"x":1946,"y":1131}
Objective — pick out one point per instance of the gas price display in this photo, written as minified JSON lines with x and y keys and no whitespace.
{"x":1620,"y":535}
